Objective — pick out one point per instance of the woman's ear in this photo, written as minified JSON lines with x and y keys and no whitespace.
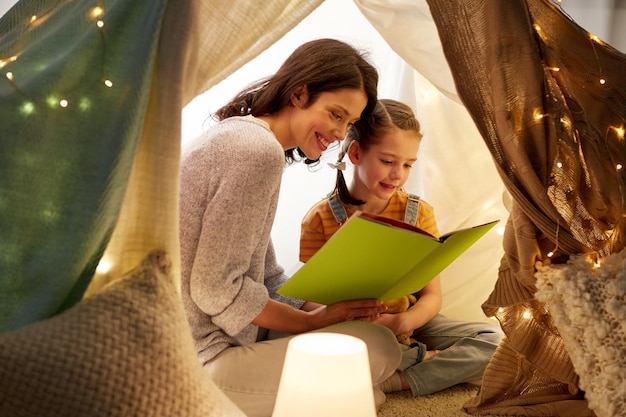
{"x":354,"y":153}
{"x":300,"y":97}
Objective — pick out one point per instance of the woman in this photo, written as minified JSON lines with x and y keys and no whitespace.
{"x":230,"y":179}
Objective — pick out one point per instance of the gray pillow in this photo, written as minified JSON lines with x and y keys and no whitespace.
{"x":125,"y":351}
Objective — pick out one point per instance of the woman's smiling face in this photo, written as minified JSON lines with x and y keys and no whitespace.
{"x":315,"y":126}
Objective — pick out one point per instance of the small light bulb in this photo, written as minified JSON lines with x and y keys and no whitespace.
{"x":538,"y":115}
{"x":96,"y":12}
{"x":5,"y":62}
{"x":108,"y":83}
{"x":33,"y":18}
{"x":27,"y":108}
{"x":559,"y":164}
{"x":63,"y":103}
{"x":100,"y":23}
{"x":619,"y":167}
{"x":9,"y":76}
{"x":527,"y":314}
{"x":602,"y":81}
{"x":104,"y":266}
{"x":550,"y":254}
{"x":84,"y":104}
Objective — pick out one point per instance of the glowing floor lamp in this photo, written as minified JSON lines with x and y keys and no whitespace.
{"x":325,"y":374}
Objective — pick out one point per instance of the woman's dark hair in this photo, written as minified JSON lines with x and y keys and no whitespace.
{"x":387,"y":115}
{"x":321,"y":65}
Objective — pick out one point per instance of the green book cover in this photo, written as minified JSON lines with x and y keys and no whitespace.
{"x":375,"y":257}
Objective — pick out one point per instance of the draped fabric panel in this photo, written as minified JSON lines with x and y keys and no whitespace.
{"x":96,"y":176}
{"x":408,"y":27}
{"x":200,"y":44}
{"x":64,"y":165}
{"x":548,"y":99}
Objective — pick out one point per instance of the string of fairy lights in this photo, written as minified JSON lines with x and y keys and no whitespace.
{"x":615,"y":132}
{"x":12,"y":65}
{"x":96,"y":15}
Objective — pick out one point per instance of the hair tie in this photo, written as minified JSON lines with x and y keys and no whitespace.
{"x":339,"y":165}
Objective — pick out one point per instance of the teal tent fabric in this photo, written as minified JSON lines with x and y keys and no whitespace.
{"x":64,"y":165}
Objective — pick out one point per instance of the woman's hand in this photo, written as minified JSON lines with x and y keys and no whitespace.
{"x":285,"y":318}
{"x":310,"y":306}
{"x":366,"y":310}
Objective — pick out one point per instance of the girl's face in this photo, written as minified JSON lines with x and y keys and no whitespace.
{"x":384,"y":167}
{"x":315,"y":126}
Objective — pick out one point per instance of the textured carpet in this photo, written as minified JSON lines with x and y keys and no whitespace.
{"x":447,"y":403}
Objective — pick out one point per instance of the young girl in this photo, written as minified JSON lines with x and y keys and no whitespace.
{"x":382,"y":152}
{"x":230,"y":179}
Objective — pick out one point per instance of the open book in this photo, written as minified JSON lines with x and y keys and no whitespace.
{"x":375,"y":257}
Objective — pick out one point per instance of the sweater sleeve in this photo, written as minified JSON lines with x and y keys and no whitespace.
{"x":275,"y":277}
{"x":229,"y":192}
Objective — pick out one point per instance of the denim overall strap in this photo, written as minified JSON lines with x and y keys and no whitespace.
{"x":412,"y":209}
{"x":339,"y":211}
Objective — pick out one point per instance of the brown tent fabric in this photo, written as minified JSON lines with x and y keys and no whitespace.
{"x":548,"y":99}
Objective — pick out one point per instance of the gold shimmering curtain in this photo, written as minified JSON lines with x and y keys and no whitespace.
{"x":550,"y":101}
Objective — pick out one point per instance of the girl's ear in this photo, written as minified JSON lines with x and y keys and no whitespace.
{"x":300,"y":97}
{"x":354,"y":153}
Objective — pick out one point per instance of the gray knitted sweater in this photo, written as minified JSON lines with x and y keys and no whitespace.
{"x":229,"y":183}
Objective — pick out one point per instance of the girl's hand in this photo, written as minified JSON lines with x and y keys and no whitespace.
{"x":427,"y":306}
{"x":398,"y":323}
{"x":366,"y":310}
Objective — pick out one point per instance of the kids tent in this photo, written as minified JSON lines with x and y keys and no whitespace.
{"x":90,"y":117}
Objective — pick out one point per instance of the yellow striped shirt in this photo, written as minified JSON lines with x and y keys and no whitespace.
{"x":319,"y":224}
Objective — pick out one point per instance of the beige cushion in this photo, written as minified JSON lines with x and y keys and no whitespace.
{"x":125,"y":351}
